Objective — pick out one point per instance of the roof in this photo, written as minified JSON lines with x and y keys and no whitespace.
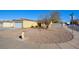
{"x":26,"y":19}
{"x":1,"y":21}
{"x":16,"y":20}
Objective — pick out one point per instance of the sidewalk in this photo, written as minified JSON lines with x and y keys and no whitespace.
{"x":74,"y":43}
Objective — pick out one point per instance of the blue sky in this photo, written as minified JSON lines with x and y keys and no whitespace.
{"x":34,"y":14}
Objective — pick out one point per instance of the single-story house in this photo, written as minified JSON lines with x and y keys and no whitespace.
{"x":8,"y":24}
{"x":29,"y":23}
{"x":20,"y":23}
{"x":1,"y":24}
{"x":24,"y":23}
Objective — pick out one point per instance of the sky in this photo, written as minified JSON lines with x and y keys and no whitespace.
{"x":35,"y":14}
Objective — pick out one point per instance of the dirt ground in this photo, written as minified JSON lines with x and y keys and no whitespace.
{"x":34,"y":38}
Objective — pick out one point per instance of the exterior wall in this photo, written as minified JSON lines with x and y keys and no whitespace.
{"x":23,"y":24}
{"x":43,"y":25}
{"x":56,"y":26}
{"x":28,"y":24}
{"x":18,"y":25}
{"x":8,"y":24}
{"x":1,"y":25}
{"x":50,"y":24}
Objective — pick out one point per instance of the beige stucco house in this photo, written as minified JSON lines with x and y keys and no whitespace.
{"x":29,"y":23}
{"x":20,"y":23}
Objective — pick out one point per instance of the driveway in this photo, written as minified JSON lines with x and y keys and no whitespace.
{"x":13,"y":42}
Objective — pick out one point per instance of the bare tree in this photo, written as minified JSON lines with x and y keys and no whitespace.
{"x":44,"y":19}
{"x":39,"y":23}
{"x":47,"y":18}
{"x":55,"y":17}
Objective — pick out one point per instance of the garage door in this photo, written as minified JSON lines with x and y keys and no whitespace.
{"x":18,"y":25}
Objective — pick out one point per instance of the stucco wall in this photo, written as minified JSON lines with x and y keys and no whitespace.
{"x":1,"y":25}
{"x":8,"y":25}
{"x":28,"y":24}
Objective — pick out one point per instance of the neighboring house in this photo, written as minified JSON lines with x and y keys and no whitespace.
{"x":18,"y":23}
{"x":21,"y":23}
{"x":1,"y":24}
{"x":29,"y":23}
{"x":25,"y":23}
{"x":8,"y":24}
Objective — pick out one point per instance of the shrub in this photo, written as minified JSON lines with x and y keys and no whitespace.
{"x":32,"y":26}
